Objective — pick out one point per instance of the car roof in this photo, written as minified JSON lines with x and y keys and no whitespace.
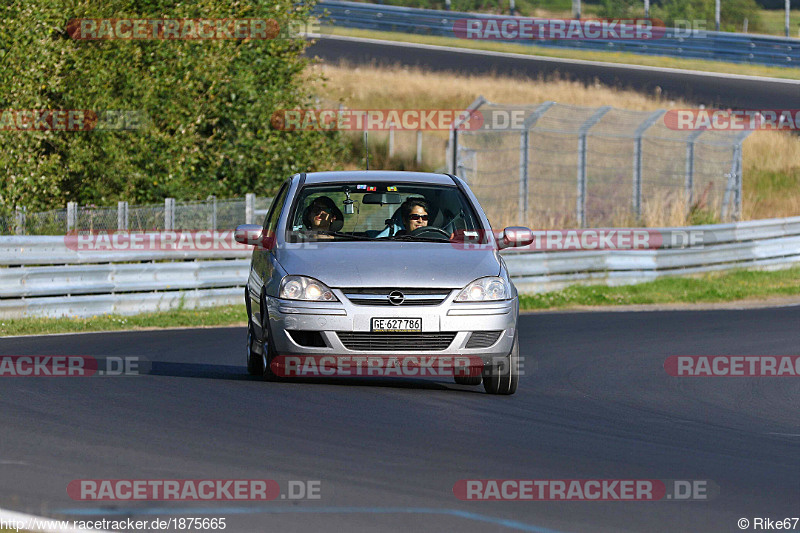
{"x":367,"y":176}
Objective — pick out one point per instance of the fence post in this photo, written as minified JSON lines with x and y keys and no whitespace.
{"x":391,"y":139}
{"x":122,"y":215}
{"x":169,"y":213}
{"x":213,"y":220}
{"x":19,"y":227}
{"x":582,"y":132}
{"x":522,"y":206}
{"x":729,"y":186}
{"x":637,"y":161}
{"x":452,"y":163}
{"x":72,"y":216}
{"x":461,"y":168}
{"x":419,"y":147}
{"x":249,"y":208}
{"x":530,"y":121}
{"x":737,"y":159}
{"x":737,"y":180}
{"x":689,"y":185}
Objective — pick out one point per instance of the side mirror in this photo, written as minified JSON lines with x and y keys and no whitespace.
{"x":515,"y":236}
{"x":249,"y":234}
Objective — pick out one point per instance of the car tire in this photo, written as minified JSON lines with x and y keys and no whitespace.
{"x":502,"y":377}
{"x":255,"y":362}
{"x":266,"y":342}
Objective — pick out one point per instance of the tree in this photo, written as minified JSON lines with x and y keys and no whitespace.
{"x":207,"y":105}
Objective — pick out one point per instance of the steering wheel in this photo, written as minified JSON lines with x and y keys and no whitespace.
{"x":430,"y":229}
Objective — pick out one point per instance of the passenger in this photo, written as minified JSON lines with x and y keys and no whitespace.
{"x":320,"y":214}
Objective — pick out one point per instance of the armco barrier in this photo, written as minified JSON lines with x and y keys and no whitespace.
{"x":720,"y":46}
{"x":41,"y":276}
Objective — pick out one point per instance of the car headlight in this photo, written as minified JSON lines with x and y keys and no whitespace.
{"x":489,"y":289}
{"x":304,"y":288}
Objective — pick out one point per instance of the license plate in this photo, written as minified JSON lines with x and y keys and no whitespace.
{"x":396,"y":325}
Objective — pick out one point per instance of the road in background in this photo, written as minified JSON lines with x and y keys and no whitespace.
{"x":710,"y":89}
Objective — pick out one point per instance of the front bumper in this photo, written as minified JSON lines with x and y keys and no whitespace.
{"x":328,"y":318}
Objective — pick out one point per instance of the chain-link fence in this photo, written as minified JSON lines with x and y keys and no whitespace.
{"x":553,"y":165}
{"x":212,"y":213}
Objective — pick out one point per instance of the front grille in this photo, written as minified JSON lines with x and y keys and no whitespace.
{"x":401,"y":342}
{"x":483,"y":339}
{"x":380,"y":296}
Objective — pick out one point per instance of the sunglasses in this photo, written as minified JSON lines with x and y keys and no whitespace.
{"x":415,"y":216}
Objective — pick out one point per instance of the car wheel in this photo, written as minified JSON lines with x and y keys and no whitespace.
{"x":501,"y":377}
{"x":266,"y":343}
{"x":255,"y":362}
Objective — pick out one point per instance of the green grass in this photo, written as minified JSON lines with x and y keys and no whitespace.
{"x":207,"y":316}
{"x":772,"y":22}
{"x":610,"y":57}
{"x":715,"y":287}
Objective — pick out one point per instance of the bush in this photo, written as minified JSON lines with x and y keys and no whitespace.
{"x":208,"y":105}
{"x":732,"y":13}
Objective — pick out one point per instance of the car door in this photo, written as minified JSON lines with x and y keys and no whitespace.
{"x":263,"y":263}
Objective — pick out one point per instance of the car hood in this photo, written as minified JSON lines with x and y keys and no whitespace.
{"x":389,"y":264}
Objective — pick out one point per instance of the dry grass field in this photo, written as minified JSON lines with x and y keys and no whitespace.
{"x":771,"y":160}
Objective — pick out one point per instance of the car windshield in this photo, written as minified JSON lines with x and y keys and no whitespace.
{"x":382,"y":212}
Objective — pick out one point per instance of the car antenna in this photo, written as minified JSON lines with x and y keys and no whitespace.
{"x":366,"y":146}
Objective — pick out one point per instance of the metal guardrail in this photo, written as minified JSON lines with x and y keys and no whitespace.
{"x":718,"y":46}
{"x":44,"y":277}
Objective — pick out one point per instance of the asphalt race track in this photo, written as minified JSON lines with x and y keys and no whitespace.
{"x":710,"y":89}
{"x":595,"y":403}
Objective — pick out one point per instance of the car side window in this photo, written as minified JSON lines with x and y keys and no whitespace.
{"x":271,"y":222}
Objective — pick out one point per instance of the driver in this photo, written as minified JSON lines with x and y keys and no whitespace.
{"x":413,"y":215}
{"x":414,"y":212}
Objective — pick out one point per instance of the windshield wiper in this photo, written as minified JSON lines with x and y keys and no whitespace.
{"x":348,"y":236}
{"x":417,"y":238}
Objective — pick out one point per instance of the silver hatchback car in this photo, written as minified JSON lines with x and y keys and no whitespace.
{"x":382,"y":263}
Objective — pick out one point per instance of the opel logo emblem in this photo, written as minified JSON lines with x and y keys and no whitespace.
{"x":396,"y":297}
